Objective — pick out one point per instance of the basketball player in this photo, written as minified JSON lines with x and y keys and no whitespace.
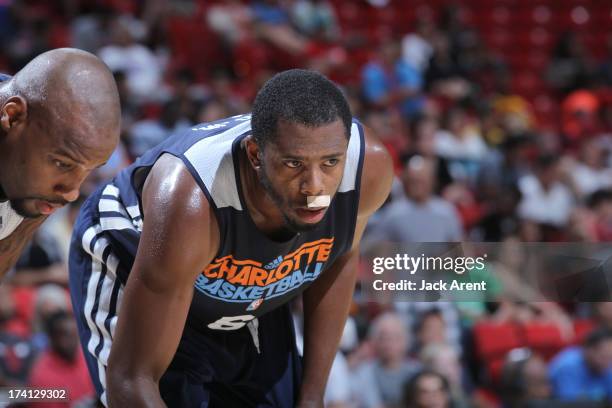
{"x":182,"y":268}
{"x":59,"y":119}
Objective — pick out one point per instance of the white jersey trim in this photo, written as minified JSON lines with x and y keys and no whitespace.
{"x":9,"y":219}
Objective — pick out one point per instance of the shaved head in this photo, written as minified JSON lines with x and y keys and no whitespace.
{"x":67,"y":84}
{"x":59,"y":119}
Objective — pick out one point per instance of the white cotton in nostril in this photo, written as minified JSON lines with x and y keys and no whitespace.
{"x":318,"y":201}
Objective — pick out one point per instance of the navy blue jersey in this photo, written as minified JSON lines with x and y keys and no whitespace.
{"x":250,"y":274}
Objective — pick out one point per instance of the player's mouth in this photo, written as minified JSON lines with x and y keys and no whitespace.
{"x":311,"y":215}
{"x":47,"y":207}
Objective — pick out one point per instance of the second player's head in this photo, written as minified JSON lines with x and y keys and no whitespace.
{"x":301,"y":127}
{"x":59,"y":119}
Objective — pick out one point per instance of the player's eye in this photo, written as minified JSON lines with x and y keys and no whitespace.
{"x":331,"y":162}
{"x":62,"y":165}
{"x":293,"y":164}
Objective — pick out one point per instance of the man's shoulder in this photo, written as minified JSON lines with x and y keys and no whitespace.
{"x":377,"y":174}
{"x":569,"y":359}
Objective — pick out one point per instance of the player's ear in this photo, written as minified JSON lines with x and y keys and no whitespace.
{"x":253,"y":152}
{"x":13,"y":113}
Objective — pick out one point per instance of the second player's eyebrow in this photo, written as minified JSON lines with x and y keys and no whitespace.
{"x":333,"y":155}
{"x":327,"y":156}
{"x":63,"y":152}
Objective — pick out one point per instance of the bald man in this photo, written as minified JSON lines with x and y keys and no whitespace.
{"x":59,"y":120}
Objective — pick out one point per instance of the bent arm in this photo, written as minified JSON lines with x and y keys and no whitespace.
{"x":12,"y":246}
{"x":178,"y":240}
{"x":328,"y":299}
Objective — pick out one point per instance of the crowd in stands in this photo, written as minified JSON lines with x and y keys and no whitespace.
{"x":498,"y":117}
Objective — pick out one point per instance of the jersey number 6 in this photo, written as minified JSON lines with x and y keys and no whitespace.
{"x":231,"y":322}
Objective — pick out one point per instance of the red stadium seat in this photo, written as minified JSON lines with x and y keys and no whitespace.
{"x":494,"y":340}
{"x":544,"y":338}
{"x":582,"y":328}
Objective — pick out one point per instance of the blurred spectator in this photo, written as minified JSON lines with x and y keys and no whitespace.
{"x":423,"y":130}
{"x":142,"y":68}
{"x":60,"y":224}
{"x":571,"y":66}
{"x":63,"y":365}
{"x":524,"y":379}
{"x":50,"y":299}
{"x":600,"y":202}
{"x":416,"y":46}
{"x":389,"y":82}
{"x":224,"y":91}
{"x":41,"y":262}
{"x":429,"y":329}
{"x":585,"y":373}
{"x":148,"y":133}
{"x":316,"y":19}
{"x":502,"y":169}
{"x":273,"y":25}
{"x":444,"y":359}
{"x":388,"y":127}
{"x":420,"y":216}
{"x":231,"y":20}
{"x":579,"y":116}
{"x":31,"y":39}
{"x":500,"y":220}
{"x":6,"y":23}
{"x":378,"y":383}
{"x":460,"y":142}
{"x":514,"y":114}
{"x":212,"y":110}
{"x":415,"y":313}
{"x":591,"y":173}
{"x":88,"y":30}
{"x":602,"y":314}
{"x":16,"y":352}
{"x":545,"y":199}
{"x":427,"y":389}
{"x":183,"y":90}
{"x":582,"y":225}
{"x":444,"y":77}
{"x":605,"y":69}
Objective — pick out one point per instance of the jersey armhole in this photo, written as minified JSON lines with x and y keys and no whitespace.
{"x":358,"y":179}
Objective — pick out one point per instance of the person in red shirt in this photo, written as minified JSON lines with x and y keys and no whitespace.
{"x":62,"y":366}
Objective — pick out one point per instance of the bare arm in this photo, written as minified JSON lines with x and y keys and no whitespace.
{"x":11,"y":246}
{"x":179,"y":238}
{"x":327,"y":300}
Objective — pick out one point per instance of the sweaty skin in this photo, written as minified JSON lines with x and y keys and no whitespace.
{"x":59,"y":119}
{"x":159,"y":290}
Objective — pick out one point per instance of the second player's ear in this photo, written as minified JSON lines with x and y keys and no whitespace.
{"x":253,"y":152}
{"x":13,"y":113}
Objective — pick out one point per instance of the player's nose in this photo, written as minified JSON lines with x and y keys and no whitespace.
{"x":312,"y":183}
{"x":72,"y":195}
